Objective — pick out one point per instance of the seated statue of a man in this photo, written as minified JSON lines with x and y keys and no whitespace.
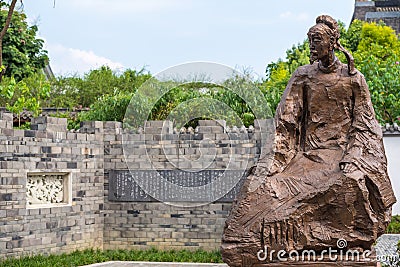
{"x":327,"y":178}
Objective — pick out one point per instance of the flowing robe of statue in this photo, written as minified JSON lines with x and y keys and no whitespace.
{"x":304,"y":200}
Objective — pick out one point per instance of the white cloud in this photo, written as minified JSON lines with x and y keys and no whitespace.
{"x":64,"y":60}
{"x":285,"y":15}
{"x":290,"y":16}
{"x":303,"y":16}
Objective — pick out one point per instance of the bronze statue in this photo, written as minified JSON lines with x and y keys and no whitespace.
{"x":327,"y":178}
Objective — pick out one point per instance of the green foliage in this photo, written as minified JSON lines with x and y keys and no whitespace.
{"x":108,"y":108}
{"x":376,"y":51}
{"x":72,"y":119}
{"x":377,"y":40}
{"x":352,"y":37}
{"x":25,"y":126}
{"x":106,"y":92}
{"x":76,"y":91}
{"x":394,"y":226}
{"x":250,"y":102}
{"x":275,"y":84}
{"x":383,"y":78}
{"x":298,"y":56}
{"x":23,"y":53}
{"x":235,"y":101}
{"x":65,"y":92}
{"x":375,"y":47}
{"x":173,"y":98}
{"x":377,"y":57}
{"x":27,"y":94}
{"x":278,"y":73}
{"x":90,"y":256}
{"x":248,"y":119}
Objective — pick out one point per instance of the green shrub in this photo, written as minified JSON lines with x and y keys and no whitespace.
{"x":68,"y":92}
{"x":183,"y":103}
{"x":28,"y":94}
{"x":90,"y":256}
{"x":107,"y":108}
{"x":394,"y":226}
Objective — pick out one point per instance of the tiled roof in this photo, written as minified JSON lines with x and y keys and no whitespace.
{"x":391,"y":129}
{"x":388,"y":9}
{"x":26,"y":116}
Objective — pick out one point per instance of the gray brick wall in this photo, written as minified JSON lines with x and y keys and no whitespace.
{"x":143,"y":225}
{"x":50,"y":148}
{"x":92,"y":221}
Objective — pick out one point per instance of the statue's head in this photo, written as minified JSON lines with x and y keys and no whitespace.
{"x":324,"y":40}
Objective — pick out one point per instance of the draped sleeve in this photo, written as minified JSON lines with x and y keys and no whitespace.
{"x":365,"y":147}
{"x":287,"y":121}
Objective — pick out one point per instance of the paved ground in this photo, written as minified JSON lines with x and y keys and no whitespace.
{"x":153,"y":264}
{"x":386,"y":246}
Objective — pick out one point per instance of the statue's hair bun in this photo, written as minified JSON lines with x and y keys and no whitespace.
{"x":331,"y":23}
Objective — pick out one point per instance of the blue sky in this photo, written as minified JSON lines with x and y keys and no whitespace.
{"x":84,"y":34}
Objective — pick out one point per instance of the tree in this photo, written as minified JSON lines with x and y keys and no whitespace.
{"x":21,"y":52}
{"x":69,"y":92}
{"x":377,"y":57}
{"x":18,"y":96}
{"x":278,"y":73}
{"x":273,"y":87}
{"x":3,"y":33}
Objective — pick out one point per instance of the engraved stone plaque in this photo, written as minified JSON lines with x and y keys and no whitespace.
{"x":123,"y":185}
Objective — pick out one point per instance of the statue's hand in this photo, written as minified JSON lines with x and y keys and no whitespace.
{"x":347,"y":167}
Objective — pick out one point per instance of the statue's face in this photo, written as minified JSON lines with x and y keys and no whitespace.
{"x":320,"y":45}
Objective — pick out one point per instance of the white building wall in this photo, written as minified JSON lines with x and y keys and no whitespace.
{"x":392,"y":148}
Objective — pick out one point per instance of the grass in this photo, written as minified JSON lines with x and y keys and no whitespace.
{"x":90,"y":256}
{"x":394,"y":226}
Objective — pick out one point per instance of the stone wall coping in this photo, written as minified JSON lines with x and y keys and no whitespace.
{"x":381,"y":15}
{"x":364,"y":3}
{"x":52,"y":124}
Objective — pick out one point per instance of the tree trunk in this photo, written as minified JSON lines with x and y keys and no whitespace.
{"x":2,"y":33}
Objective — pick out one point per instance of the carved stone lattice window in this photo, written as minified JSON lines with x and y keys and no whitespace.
{"x":47,"y":189}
